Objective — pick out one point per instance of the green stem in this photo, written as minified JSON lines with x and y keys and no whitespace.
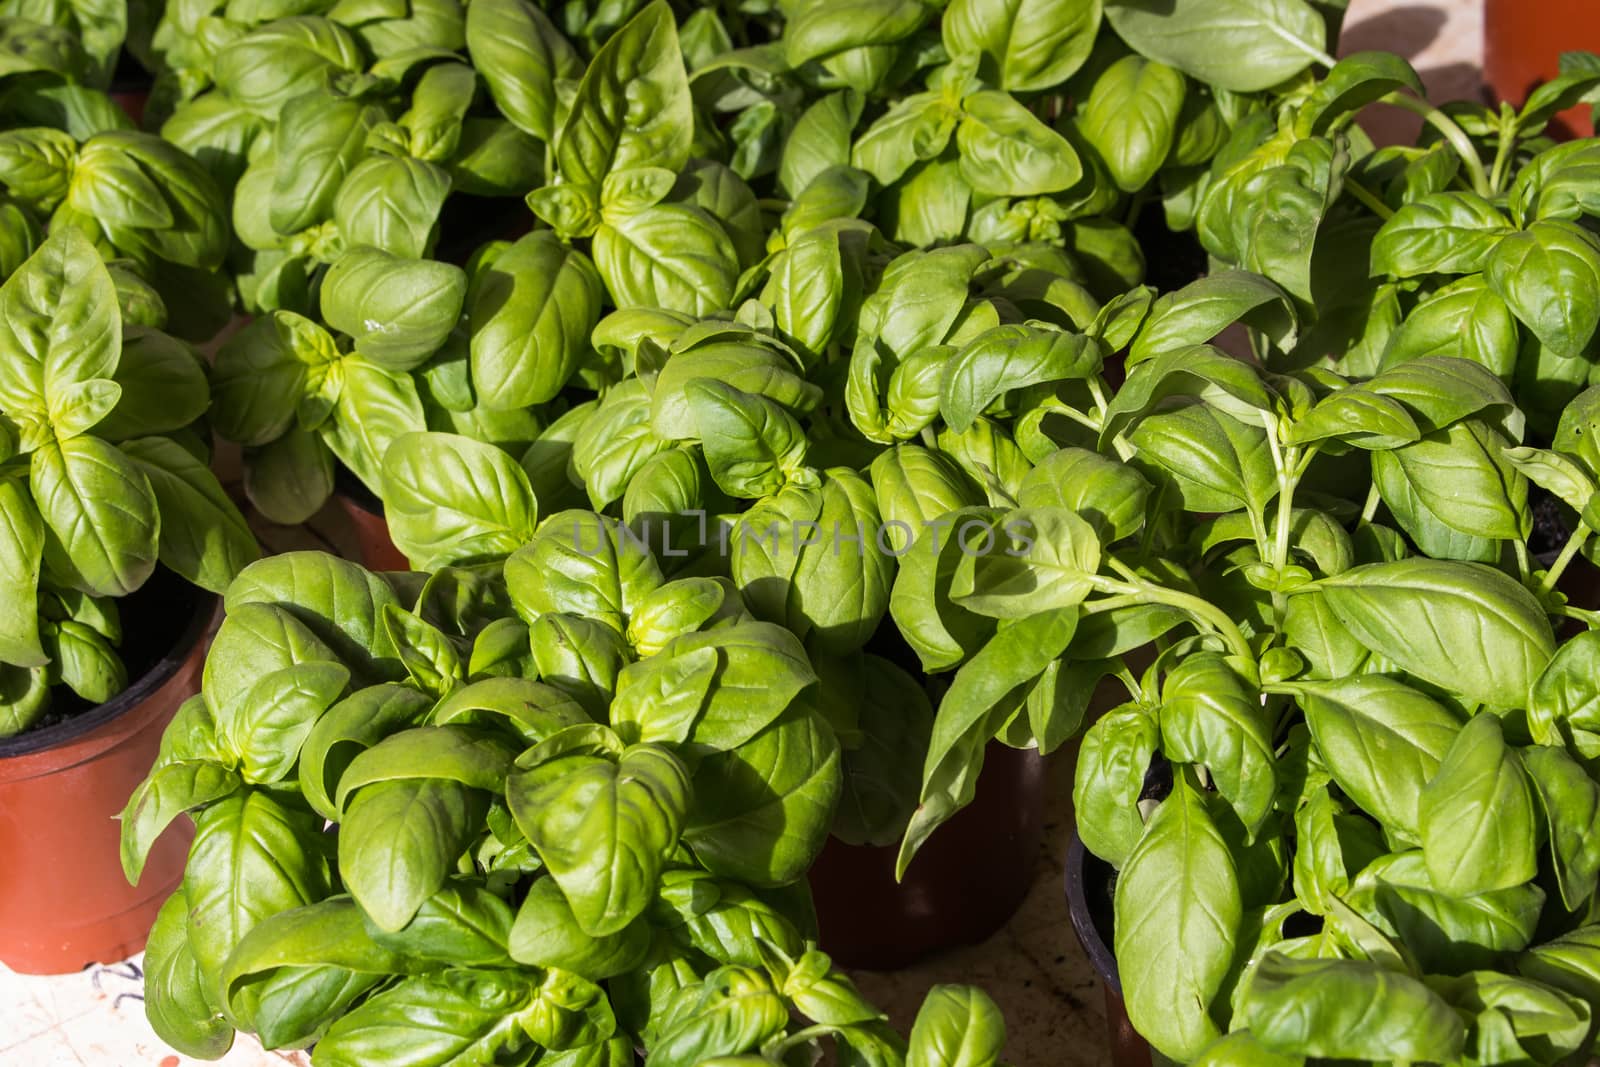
{"x":1502,"y":154}
{"x":1524,"y":565}
{"x":1453,"y":133}
{"x":1123,"y":569}
{"x":777,"y":1050}
{"x":1370,"y":508}
{"x":1568,"y":551}
{"x":1141,"y":592}
{"x":1590,"y":619}
{"x":1369,"y":198}
{"x":1286,"y":462}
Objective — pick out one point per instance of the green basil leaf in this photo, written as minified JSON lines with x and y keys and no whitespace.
{"x":253,"y":857}
{"x":349,"y":728}
{"x":957,"y":1026}
{"x":59,"y":325}
{"x":399,"y":312}
{"x":276,"y":716}
{"x":1347,"y":1009}
{"x":450,"y":499}
{"x":671,"y":256}
{"x":1549,"y":276}
{"x":752,"y":445}
{"x":632,"y":107}
{"x":521,"y":56}
{"x":1005,"y":151}
{"x":202,"y":535}
{"x":1478,"y":816}
{"x":1571,"y":801}
{"x":399,"y":840}
{"x":455,"y":1016}
{"x":532,"y":311}
{"x":1465,"y":627}
{"x":604,"y":829}
{"x":1445,"y":233}
{"x":101,"y":514}
{"x":450,"y":753}
{"x":1178,"y":913}
{"x":1025,"y":45}
{"x":1011,"y":357}
{"x":176,"y":1000}
{"x":168,"y":792}
{"x":1212,"y":716}
{"x":22,"y":534}
{"x":546,"y":934}
{"x":974,"y":707}
{"x":1131,"y":118}
{"x":392,"y":203}
{"x":1113,"y":758}
{"x":1240,"y":45}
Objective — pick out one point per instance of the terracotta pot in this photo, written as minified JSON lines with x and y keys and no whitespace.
{"x":64,"y":901}
{"x":374,"y":547}
{"x":966,"y":882}
{"x":1522,"y":46}
{"x":1089,"y":886}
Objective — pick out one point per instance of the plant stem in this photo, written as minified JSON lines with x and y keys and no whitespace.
{"x":1453,"y":133}
{"x":1524,"y":566}
{"x":1370,"y":508}
{"x":782,"y":1047}
{"x":1123,"y":569}
{"x":1369,"y":198}
{"x":1502,"y":154}
{"x":1142,"y":592}
{"x":1568,"y":551}
{"x":1286,"y":461}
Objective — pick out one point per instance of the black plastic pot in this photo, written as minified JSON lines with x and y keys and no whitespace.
{"x":1090,"y":885}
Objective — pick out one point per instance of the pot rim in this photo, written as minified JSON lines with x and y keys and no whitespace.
{"x":1100,"y":955}
{"x":31,"y":741}
{"x":354,"y":493}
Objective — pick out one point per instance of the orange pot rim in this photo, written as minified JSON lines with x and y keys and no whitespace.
{"x":80,"y":737}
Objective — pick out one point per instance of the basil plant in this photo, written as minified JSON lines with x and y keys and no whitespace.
{"x":548,"y":806}
{"x":717,"y":442}
{"x":1474,"y":236}
{"x":337,"y":128}
{"x":60,"y":47}
{"x":152,"y":211}
{"x":103,"y":473}
{"x":1350,"y":795}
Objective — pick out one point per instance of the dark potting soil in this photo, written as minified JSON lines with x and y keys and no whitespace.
{"x":154,"y":619}
{"x":129,"y":76}
{"x":1550,"y":529}
{"x":473,"y":221}
{"x":1173,"y":259}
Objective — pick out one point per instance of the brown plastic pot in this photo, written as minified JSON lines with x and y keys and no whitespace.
{"x":965,"y":883}
{"x":64,"y":901}
{"x":1522,"y":46}
{"x":1089,"y":889}
{"x":132,"y":100}
{"x":373,"y":543}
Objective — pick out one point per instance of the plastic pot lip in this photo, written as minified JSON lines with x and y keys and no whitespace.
{"x":31,"y":741}
{"x":1100,"y":955}
{"x":351,"y":492}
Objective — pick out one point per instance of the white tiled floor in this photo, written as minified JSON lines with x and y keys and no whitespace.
{"x":96,"y":1019}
